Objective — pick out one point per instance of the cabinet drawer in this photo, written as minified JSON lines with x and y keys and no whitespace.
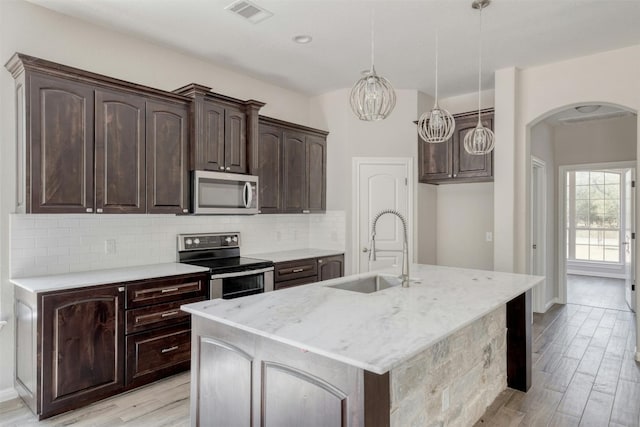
{"x":141,"y":319}
{"x":295,"y":269}
{"x":152,"y":292}
{"x":295,"y":282}
{"x":158,"y":353}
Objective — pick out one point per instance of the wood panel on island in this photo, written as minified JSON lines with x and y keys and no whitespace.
{"x":78,"y":346}
{"x":291,"y":162}
{"x":448,"y":162}
{"x":79,"y":131}
{"x":304,"y":271}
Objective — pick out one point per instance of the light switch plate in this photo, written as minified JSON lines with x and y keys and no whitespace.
{"x":489,"y":236}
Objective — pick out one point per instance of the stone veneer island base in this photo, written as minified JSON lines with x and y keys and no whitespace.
{"x":437,"y":353}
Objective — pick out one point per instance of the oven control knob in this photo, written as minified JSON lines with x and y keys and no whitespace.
{"x":235,"y":239}
{"x":188,"y":241}
{"x":227,"y":239}
{"x":196,"y":241}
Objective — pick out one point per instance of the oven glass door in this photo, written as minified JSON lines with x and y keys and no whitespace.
{"x":240,"y":284}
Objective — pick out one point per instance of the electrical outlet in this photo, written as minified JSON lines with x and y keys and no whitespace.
{"x":110,"y":246}
{"x":445,"y":399}
{"x":489,"y":236}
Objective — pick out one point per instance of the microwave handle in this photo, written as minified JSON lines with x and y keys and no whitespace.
{"x":247,"y":195}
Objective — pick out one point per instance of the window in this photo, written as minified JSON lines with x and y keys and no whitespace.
{"x":593,"y":215}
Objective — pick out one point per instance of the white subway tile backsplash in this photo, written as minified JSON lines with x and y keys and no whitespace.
{"x":51,"y":244}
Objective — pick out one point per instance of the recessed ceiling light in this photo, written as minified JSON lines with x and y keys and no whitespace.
{"x":303,"y":39}
{"x":585,"y":109}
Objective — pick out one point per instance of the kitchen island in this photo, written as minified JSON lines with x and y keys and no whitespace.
{"x":438,"y":352}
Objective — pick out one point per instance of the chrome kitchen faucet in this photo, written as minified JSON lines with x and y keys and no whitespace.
{"x":405,"y":245}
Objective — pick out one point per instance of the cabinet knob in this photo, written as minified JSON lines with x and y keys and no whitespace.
{"x":221,"y":168}
{"x":305,"y":211}
{"x":89,"y":210}
{"x":228,"y":168}
{"x":185,"y":210}
{"x":121,"y":289}
{"x":455,"y":175}
{"x":99,"y":210}
{"x":319,"y":261}
{"x":449,"y":175}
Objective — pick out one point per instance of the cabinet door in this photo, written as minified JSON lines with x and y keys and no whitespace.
{"x":269,"y":169}
{"x":316,"y":173}
{"x":61,"y":146}
{"x":330,"y":267}
{"x":294,"y":167}
{"x":467,"y":165}
{"x":435,"y":161}
{"x":210,"y":152}
{"x":120,"y":152}
{"x":235,"y":141}
{"x":167,"y":169}
{"x":82,"y":347}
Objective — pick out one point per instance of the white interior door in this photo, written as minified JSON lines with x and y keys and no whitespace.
{"x":381,"y":184}
{"x":629,"y":241}
{"x":538,"y":231}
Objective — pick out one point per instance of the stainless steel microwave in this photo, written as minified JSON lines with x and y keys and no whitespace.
{"x":224,"y":193}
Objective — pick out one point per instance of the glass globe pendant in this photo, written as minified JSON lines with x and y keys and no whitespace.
{"x":372,"y":97}
{"x":480,"y":140}
{"x":437,"y":125}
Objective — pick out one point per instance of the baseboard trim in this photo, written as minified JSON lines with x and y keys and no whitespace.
{"x":550,"y":304}
{"x":8,"y":394}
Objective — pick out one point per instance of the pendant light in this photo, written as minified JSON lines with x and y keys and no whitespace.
{"x":437,"y":125}
{"x":481,"y":139}
{"x":372,"y":98}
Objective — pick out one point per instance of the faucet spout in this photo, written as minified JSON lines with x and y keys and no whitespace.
{"x":405,"y":244}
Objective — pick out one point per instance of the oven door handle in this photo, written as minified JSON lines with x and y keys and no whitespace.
{"x":241,"y":273}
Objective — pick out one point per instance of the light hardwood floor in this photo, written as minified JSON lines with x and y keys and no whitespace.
{"x":163,"y":403}
{"x":594,"y":291}
{"x":584,"y":374}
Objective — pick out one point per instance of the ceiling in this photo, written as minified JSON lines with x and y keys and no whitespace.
{"x":601,"y":112}
{"x":515,"y":33}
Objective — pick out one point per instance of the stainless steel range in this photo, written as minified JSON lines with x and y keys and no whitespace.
{"x":232,"y":276}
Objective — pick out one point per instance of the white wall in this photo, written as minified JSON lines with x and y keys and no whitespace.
{"x":465,"y":214}
{"x":42,"y":33}
{"x":427,"y":203}
{"x":542,"y":147}
{"x":465,"y":211}
{"x":524,"y":97}
{"x":393,"y":137}
{"x":597,"y":141}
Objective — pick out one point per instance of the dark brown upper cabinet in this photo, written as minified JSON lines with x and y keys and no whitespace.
{"x":448,"y":162}
{"x":167,"y":144}
{"x":92,"y":143}
{"x":291,"y":162}
{"x":120,"y":152}
{"x":59,"y":173}
{"x":222,"y":129}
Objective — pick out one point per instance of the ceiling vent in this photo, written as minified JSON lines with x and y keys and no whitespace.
{"x":249,"y":11}
{"x":587,"y":118}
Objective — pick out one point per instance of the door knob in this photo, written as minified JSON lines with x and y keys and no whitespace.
{"x":365,"y":250}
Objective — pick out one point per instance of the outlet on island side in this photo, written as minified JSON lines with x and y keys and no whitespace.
{"x":110,"y":246}
{"x":489,"y":236}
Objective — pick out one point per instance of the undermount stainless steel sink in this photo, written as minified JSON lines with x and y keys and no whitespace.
{"x":368,"y":285}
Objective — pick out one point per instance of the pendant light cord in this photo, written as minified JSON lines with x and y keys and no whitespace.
{"x":437,"y":45}
{"x":373,"y":16}
{"x":480,"y":66}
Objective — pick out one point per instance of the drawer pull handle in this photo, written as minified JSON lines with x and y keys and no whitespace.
{"x":169,"y":313}
{"x":164,"y":291}
{"x":167,"y":350}
{"x":298,"y":270}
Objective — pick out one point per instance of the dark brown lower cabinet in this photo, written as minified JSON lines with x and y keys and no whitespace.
{"x":82,"y":347}
{"x":77,"y":346}
{"x":309,"y":270}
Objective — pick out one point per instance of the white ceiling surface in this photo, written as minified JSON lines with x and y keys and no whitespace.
{"x":516,"y":33}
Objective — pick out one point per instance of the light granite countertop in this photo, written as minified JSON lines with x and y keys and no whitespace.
{"x":376,"y":331}
{"x":101,"y":277}
{"x":283,"y":256}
